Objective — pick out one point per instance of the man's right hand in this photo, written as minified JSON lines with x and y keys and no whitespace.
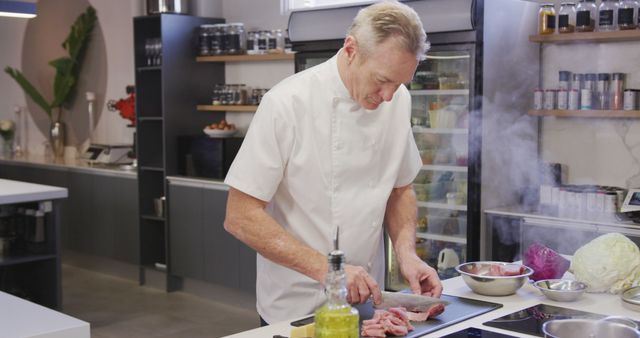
{"x":361,"y":286}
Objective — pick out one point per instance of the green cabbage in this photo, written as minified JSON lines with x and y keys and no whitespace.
{"x":609,"y":263}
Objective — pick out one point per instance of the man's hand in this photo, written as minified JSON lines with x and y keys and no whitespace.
{"x":360,"y":285}
{"x":422,"y":278}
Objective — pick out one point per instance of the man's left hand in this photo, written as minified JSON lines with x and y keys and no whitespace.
{"x":422,"y":278}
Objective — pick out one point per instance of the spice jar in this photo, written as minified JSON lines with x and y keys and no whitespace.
{"x":607,"y":15}
{"x":577,"y":81}
{"x":617,"y":91}
{"x":546,"y":19}
{"x":602,"y":89}
{"x":567,"y":17}
{"x":586,"y":14}
{"x":627,"y":14}
{"x":563,"y":79}
{"x":204,"y":39}
{"x":236,"y":40}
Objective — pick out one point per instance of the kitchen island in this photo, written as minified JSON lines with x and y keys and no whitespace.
{"x":527,"y":296}
{"x":20,"y":318}
{"x":30,"y":232}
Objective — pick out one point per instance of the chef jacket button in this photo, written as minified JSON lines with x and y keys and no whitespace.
{"x":369,"y":267}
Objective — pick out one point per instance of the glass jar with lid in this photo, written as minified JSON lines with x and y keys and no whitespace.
{"x":236,"y":39}
{"x":204,"y":39}
{"x":627,"y":14}
{"x":608,"y":15}
{"x":546,"y":19}
{"x":217,"y":35}
{"x":567,"y":17}
{"x":262,"y":42}
{"x":586,"y":15}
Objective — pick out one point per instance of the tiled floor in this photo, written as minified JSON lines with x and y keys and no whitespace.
{"x":118,"y":307}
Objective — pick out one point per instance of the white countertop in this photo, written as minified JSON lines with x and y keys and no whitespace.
{"x":527,"y":296}
{"x":21,"y":318}
{"x":69,"y":164}
{"x":18,"y":192}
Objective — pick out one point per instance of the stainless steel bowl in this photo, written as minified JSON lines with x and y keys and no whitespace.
{"x":561,"y":290}
{"x":631,"y":298}
{"x":477,"y":276}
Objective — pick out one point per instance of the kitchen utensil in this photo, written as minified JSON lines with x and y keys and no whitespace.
{"x":167,"y":6}
{"x":604,"y":328}
{"x":411,"y":302}
{"x":476,"y":276}
{"x":631,"y":298}
{"x":561,"y":290}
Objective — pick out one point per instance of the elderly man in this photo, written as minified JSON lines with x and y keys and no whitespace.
{"x":332,"y":147}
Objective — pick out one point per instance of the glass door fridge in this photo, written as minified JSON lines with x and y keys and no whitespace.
{"x":442,"y":93}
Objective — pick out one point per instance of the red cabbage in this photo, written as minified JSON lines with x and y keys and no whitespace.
{"x":546,"y":263}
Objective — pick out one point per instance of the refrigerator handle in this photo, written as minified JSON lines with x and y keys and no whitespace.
{"x":473,"y":14}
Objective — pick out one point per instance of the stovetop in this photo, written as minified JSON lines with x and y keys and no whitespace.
{"x":530,"y":320}
{"x":473,"y":332}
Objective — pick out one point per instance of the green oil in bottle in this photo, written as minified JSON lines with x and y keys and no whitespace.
{"x":336,"y":318}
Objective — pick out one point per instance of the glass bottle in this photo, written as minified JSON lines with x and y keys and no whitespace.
{"x":279,"y":40}
{"x":567,"y":17}
{"x":586,"y":14}
{"x":336,"y":318}
{"x":608,"y":15}
{"x":546,"y":19}
{"x":602,"y":90}
{"x":627,"y":14}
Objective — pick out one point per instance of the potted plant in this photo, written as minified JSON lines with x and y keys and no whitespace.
{"x":65,"y":80}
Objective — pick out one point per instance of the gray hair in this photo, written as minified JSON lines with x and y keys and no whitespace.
{"x":376,"y":23}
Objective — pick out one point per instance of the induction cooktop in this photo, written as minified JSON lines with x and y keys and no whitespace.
{"x":530,"y":320}
{"x":473,"y":332}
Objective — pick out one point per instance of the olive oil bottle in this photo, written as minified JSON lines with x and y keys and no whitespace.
{"x":336,"y":318}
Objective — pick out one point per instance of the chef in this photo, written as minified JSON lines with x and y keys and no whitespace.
{"x":332,"y":147}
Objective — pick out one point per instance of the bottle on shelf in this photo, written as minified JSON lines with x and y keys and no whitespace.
{"x":617,"y":91}
{"x":546,"y":19}
{"x":586,"y":15}
{"x":602,"y":90}
{"x":627,"y":14}
{"x":567,"y":17}
{"x":336,"y":318}
{"x":608,"y":15}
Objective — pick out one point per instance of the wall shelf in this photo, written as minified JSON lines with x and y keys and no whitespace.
{"x":587,"y":113}
{"x":246,"y":58}
{"x":615,"y":36}
{"x":239,"y":108}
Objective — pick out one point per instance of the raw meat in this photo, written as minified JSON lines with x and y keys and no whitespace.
{"x":396,"y":321}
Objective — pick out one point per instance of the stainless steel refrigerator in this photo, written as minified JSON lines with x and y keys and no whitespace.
{"x":447,"y":115}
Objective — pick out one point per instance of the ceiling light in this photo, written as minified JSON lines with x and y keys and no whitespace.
{"x":17,"y":9}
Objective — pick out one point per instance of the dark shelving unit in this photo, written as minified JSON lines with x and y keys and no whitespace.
{"x":166,"y":100}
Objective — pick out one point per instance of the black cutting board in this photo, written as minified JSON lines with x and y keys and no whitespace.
{"x":459,"y":309}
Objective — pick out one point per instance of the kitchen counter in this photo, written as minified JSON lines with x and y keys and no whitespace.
{"x":528,"y":295}
{"x":21,"y":318}
{"x":18,"y":192}
{"x":77,"y":165}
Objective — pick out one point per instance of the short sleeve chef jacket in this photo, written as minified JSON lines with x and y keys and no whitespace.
{"x":321,"y":161}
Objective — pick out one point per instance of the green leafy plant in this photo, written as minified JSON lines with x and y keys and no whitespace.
{"x":67,"y":67}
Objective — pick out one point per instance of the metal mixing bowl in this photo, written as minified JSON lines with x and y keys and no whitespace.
{"x":631,"y":298}
{"x":476,"y":276}
{"x":561,"y":290}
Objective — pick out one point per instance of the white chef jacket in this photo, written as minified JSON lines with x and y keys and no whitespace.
{"x":321,"y":161}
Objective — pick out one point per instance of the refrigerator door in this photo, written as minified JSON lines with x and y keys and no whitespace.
{"x":442,"y":94}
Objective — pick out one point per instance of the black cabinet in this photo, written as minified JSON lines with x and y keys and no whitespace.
{"x":168,"y":89}
{"x":100,"y":216}
{"x":200,"y":246}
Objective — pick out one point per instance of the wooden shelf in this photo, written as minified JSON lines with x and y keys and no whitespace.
{"x":588,"y":113}
{"x":227,"y":108}
{"x":615,"y":36}
{"x":246,"y":58}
